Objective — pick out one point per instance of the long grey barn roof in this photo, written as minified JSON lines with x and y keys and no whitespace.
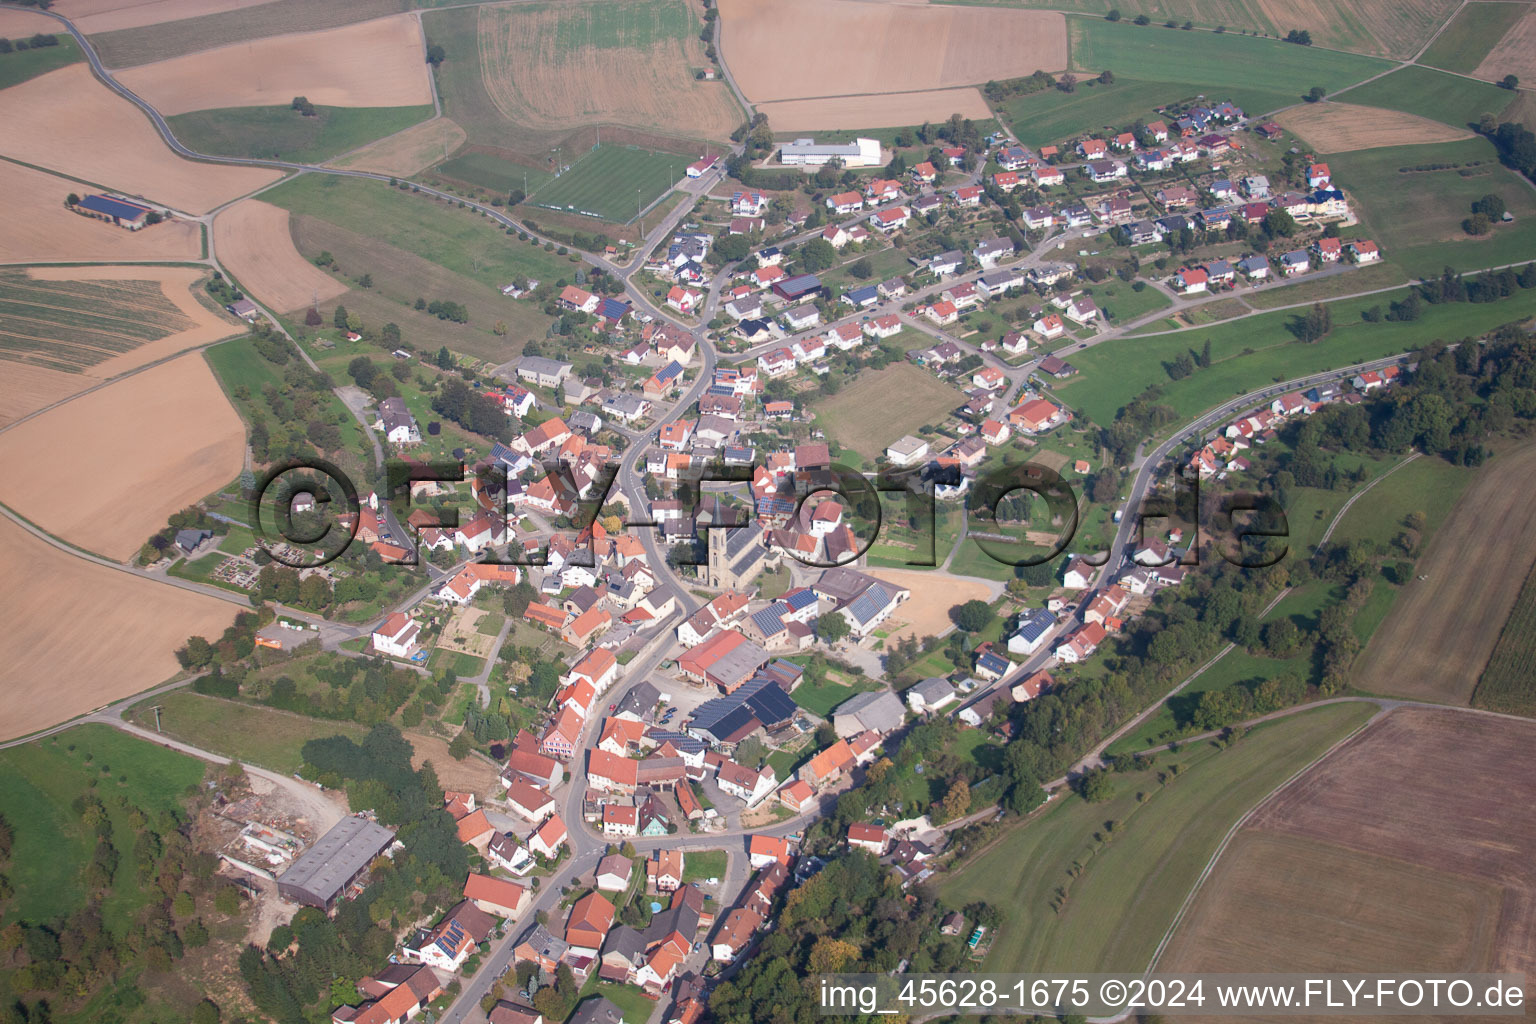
{"x":337,"y":856}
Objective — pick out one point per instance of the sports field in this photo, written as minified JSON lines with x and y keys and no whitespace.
{"x":1387,"y":27}
{"x":1476,"y":29}
{"x":282,"y":133}
{"x":612,"y":182}
{"x":1445,"y":624}
{"x":1509,"y":682}
{"x":1433,"y":94}
{"x":1410,"y":826}
{"x":1214,"y":62}
{"x":1077,"y":894}
{"x":1416,"y":214}
{"x":862,"y":417}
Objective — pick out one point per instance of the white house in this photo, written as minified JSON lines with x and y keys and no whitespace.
{"x":396,"y":636}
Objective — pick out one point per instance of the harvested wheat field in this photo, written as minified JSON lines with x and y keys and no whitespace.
{"x":926,"y":612}
{"x":148,"y":445}
{"x":860,"y":48}
{"x":559,"y":67}
{"x":116,"y":638}
{"x":1410,"y":824}
{"x":40,"y":228}
{"x":1345,"y":127}
{"x":377,"y":63}
{"x":406,"y":153}
{"x":1515,"y":54}
{"x":891,"y":110}
{"x":92,"y":16}
{"x":252,"y":239}
{"x":14,"y":23}
{"x":71,"y":123}
{"x":25,"y":389}
{"x":1443,"y":627}
{"x":474,"y":774}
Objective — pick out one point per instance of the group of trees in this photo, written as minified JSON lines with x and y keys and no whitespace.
{"x":1486,"y":212}
{"x":303,"y":106}
{"x":36,"y":42}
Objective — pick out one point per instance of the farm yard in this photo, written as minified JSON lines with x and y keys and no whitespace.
{"x":1472,"y":33}
{"x":370,"y":64}
{"x":253,"y":241}
{"x":528,"y":77}
{"x":408,"y":152}
{"x":187,"y":26}
{"x":1345,"y":127}
{"x":861,"y":417}
{"x":39,"y":227}
{"x":67,"y":121}
{"x":612,"y":182}
{"x":1390,"y":28}
{"x":154,"y":443}
{"x":1091,"y":900}
{"x":282,"y":133}
{"x":922,"y":48}
{"x":1444,"y":626}
{"x":117,"y":639}
{"x":1407,"y":824}
{"x":1508,"y":683}
{"x":1433,"y":94}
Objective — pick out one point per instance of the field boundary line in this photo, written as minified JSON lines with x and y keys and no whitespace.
{"x":1339,"y":516}
{"x":1227,"y":839}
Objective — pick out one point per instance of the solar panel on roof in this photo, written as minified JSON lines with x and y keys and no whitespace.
{"x":768,"y":622}
{"x":731,"y":722}
{"x":772,"y":705}
{"x":800,"y":599}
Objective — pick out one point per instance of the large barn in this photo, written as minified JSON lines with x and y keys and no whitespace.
{"x":340,"y":857}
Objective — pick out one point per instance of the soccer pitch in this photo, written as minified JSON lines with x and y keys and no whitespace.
{"x":612,"y":183}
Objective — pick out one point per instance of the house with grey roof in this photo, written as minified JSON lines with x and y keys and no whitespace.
{"x":877,"y":711}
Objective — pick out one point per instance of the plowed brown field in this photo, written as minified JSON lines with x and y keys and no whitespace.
{"x":252,"y":239}
{"x":377,"y":63}
{"x":861,"y":48}
{"x":1345,"y":127}
{"x":105,"y":470}
{"x":79,"y":635}
{"x":71,"y":123}
{"x":891,"y":110}
{"x":1515,"y":54}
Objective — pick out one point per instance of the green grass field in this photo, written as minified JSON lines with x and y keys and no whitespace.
{"x":612,"y":183}
{"x":1417,"y":216}
{"x":1432,"y":94}
{"x":40,"y":779}
{"x":1127,"y":890}
{"x":251,"y":733}
{"x":20,"y":65}
{"x":492,"y":172}
{"x":861,"y":417}
{"x":1508,"y":683}
{"x":1475,"y":30}
{"x":1052,"y":116}
{"x":701,"y":864}
{"x":1429,"y":485}
{"x":821,"y":698}
{"x":1258,"y":350}
{"x":1121,"y":303}
{"x":281,"y":133}
{"x":1215,"y":63}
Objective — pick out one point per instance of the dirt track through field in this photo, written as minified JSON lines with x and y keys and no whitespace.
{"x":40,"y":227}
{"x":253,"y":240}
{"x":1515,"y":54}
{"x":1444,"y":625}
{"x":408,"y":152}
{"x":1414,"y":827}
{"x":1346,"y":127}
{"x":861,"y":48}
{"x":893,"y":110}
{"x":92,"y":16}
{"x":537,"y":81}
{"x":68,"y":122}
{"x":105,"y":470}
{"x":79,"y":635}
{"x":377,"y":63}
